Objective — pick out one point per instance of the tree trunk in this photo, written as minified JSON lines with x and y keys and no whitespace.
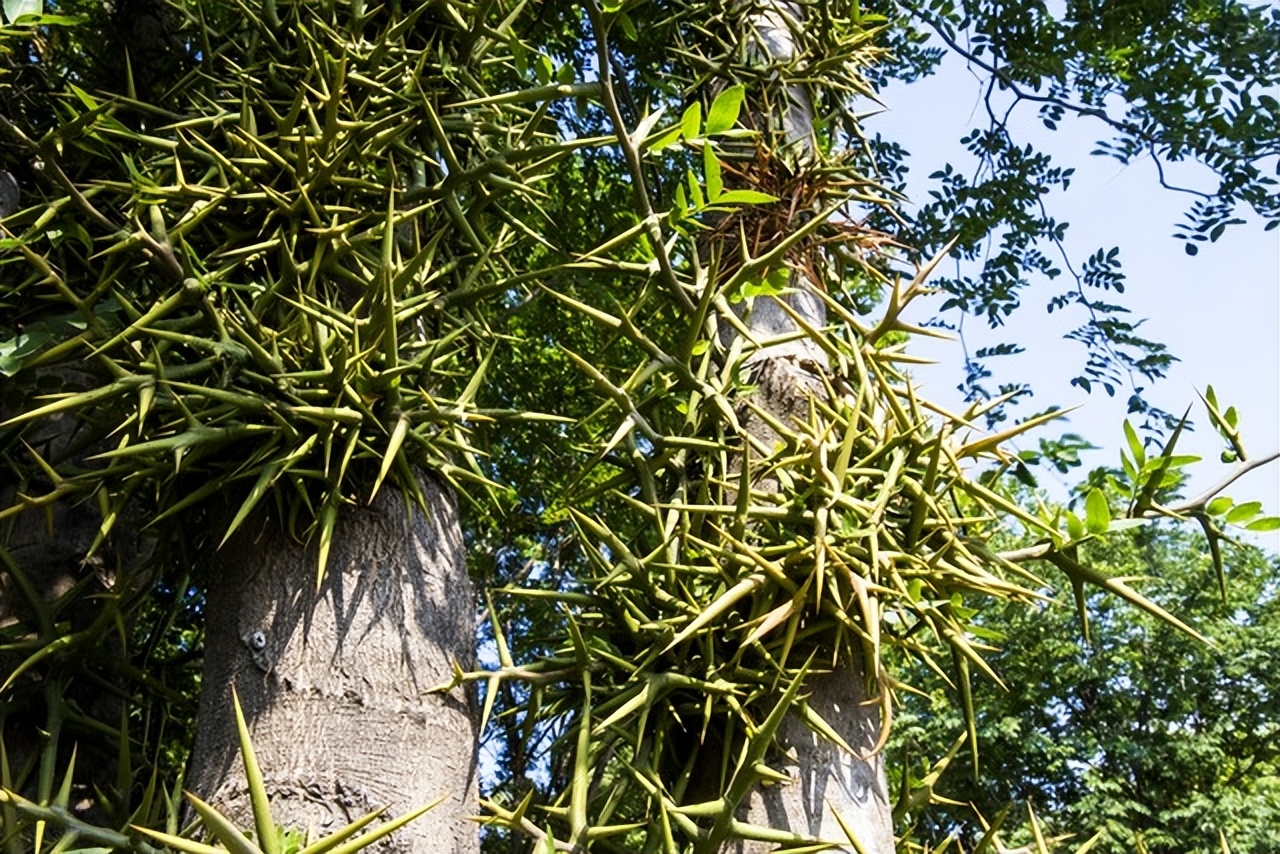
{"x":337,"y":684}
{"x":47,"y":546}
{"x":825,"y":779}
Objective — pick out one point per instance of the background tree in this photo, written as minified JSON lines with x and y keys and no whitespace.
{"x":1138,"y":733}
{"x":1169,"y":82}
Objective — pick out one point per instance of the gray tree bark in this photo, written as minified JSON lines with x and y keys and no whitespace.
{"x":337,"y":683}
{"x":826,"y":780}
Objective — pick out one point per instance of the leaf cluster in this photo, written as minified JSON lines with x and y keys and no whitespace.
{"x":1138,"y":734}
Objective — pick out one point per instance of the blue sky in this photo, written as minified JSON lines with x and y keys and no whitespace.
{"x":1218,"y":312}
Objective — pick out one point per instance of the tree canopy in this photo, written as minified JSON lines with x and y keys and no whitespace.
{"x":271,"y":262}
{"x":1137,"y":734}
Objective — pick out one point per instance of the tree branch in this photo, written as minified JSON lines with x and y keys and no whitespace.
{"x":1041,"y":550}
{"x":1241,"y":469}
{"x":632,"y":155}
{"x":1002,"y":76}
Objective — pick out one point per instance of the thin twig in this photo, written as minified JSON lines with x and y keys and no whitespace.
{"x":1040,"y":550}
{"x":1240,"y":470}
{"x":1079,"y":109}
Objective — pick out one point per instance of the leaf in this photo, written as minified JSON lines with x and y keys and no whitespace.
{"x":15,"y":9}
{"x":628,"y":27}
{"x":13,"y":351}
{"x":724,"y":111}
{"x":1242,"y":513}
{"x":696,"y":198}
{"x":543,"y":68}
{"x":711,"y":168}
{"x":1219,"y":505}
{"x":1135,"y":444}
{"x":1157,"y":479}
{"x":691,"y":121}
{"x":1266,"y":523}
{"x":745,"y":197}
{"x":1097,"y":514}
{"x":667,"y":139}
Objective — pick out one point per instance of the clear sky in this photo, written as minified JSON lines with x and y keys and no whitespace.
{"x":1218,"y":312}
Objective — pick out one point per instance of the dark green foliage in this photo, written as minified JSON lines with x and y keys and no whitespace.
{"x":1142,"y":733}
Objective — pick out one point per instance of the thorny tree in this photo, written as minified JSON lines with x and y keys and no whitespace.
{"x":282,"y":286}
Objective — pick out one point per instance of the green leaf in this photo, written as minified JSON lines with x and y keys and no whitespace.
{"x":667,"y":139}
{"x":14,"y":9}
{"x":13,"y":351}
{"x":711,"y":166}
{"x":1135,"y":444}
{"x":695,"y":191}
{"x":1266,"y":523}
{"x":691,"y":121}
{"x":1219,"y":505}
{"x":745,"y":197}
{"x":628,"y":27}
{"x":773,"y":284}
{"x":725,"y":109}
{"x":1075,"y":527}
{"x":1242,"y":513}
{"x":543,"y":68}
{"x":681,"y":200}
{"x":1097,"y":514}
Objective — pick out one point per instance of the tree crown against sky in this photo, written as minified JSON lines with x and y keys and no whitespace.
{"x":290,"y":258}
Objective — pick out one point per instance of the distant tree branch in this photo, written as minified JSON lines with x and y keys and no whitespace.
{"x":1002,"y":76}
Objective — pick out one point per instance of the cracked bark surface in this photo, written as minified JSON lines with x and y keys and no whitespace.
{"x":336,"y":684}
